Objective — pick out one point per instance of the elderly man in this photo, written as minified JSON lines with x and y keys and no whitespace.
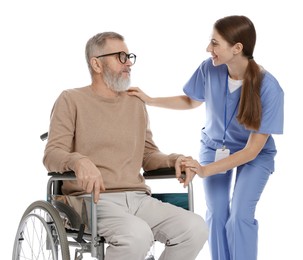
{"x":103,"y":135}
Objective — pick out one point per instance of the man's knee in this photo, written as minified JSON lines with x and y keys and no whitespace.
{"x":134,"y":235}
{"x":192,"y":231}
{"x":129,"y":242}
{"x":198,"y":229}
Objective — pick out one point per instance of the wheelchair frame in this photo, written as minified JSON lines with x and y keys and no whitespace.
{"x":47,"y":219}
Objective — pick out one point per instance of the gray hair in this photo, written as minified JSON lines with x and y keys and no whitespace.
{"x":94,"y":46}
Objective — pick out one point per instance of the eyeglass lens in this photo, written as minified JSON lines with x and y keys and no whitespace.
{"x":123,"y":57}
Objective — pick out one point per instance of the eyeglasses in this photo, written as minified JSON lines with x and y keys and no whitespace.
{"x":123,"y":56}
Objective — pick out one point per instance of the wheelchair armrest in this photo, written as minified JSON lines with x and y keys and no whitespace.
{"x":64,"y":175}
{"x":55,"y":182}
{"x":161,"y":173}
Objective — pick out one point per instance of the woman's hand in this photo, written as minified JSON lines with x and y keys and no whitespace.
{"x":172,"y":102}
{"x":180,"y":169}
{"x":135,"y":91}
{"x":194,"y":166}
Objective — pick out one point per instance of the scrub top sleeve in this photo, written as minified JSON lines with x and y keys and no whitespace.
{"x":273,"y":113}
{"x":194,"y":88}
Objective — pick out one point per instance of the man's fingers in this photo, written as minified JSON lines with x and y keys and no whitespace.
{"x":96,"y":193}
{"x":178,"y":172}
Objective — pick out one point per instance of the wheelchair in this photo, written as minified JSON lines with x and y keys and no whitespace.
{"x":51,"y":229}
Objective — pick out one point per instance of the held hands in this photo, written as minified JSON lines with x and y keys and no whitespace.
{"x":192,"y":167}
{"x":181,"y":167}
{"x":89,"y":177}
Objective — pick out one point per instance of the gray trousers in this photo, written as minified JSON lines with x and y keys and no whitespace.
{"x":131,"y":221}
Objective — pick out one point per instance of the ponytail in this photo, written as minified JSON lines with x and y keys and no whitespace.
{"x":250,"y":107}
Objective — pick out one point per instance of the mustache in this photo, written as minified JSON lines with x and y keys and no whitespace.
{"x":128,"y":70}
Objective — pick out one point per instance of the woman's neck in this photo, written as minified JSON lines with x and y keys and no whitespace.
{"x":237,"y":69}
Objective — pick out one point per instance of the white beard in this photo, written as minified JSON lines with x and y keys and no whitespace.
{"x":115,"y":81}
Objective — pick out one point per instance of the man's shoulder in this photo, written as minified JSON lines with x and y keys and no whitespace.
{"x":73,"y":92}
{"x":77,"y":90}
{"x":132,"y":99}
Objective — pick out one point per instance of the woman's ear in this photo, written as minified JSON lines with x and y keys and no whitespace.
{"x":96,"y":65}
{"x":238,"y":47}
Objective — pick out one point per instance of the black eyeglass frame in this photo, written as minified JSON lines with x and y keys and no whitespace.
{"x":128,"y":56}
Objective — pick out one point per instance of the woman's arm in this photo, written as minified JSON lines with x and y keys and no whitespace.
{"x":254,"y":145}
{"x":175,"y":102}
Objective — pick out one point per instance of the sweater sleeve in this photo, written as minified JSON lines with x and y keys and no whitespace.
{"x":58,"y":153}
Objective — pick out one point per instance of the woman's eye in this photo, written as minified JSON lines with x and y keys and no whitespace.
{"x":213,"y":43}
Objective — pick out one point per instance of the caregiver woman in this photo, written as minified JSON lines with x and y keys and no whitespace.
{"x":244,"y":108}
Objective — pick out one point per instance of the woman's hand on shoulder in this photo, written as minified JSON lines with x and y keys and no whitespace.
{"x":136,"y":91}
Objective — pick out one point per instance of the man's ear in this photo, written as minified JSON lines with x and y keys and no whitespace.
{"x":238,"y":47}
{"x":96,"y":65}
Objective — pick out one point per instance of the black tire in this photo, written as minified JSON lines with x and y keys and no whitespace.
{"x":72,"y":216}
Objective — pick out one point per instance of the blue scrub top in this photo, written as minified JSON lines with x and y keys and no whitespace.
{"x":208,"y":85}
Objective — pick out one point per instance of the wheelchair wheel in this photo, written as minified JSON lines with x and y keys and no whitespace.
{"x":41,"y":234}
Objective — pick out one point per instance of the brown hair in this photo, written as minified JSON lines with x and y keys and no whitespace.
{"x":239,"y":29}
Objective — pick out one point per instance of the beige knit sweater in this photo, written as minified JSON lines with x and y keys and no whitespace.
{"x":113,"y":133}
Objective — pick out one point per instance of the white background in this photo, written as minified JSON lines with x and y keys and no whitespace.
{"x":42,"y":52}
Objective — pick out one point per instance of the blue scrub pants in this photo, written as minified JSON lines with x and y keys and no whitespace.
{"x":233,"y":229}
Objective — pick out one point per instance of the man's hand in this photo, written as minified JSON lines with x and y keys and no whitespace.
{"x":89,"y":177}
{"x":181,"y":167}
{"x":195,"y":167}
